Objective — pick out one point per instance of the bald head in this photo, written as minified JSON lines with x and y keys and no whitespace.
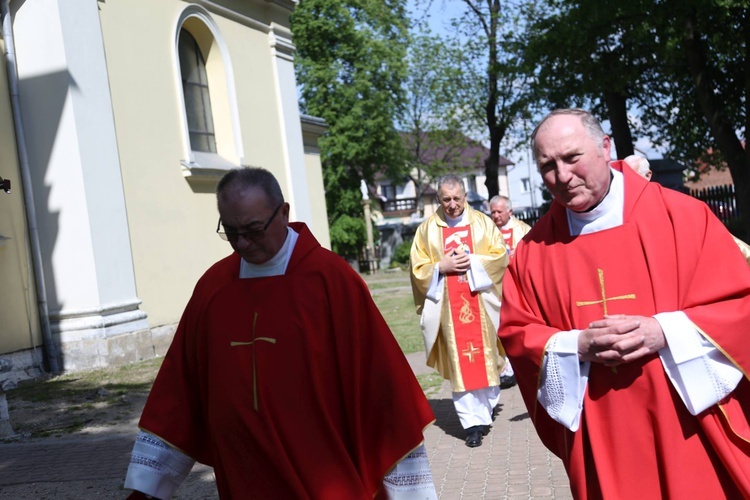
{"x":572,"y":154}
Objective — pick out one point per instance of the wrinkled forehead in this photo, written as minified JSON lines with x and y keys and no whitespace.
{"x":554,"y":141}
{"x":451,"y":189}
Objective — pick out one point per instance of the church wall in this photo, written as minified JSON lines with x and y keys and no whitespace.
{"x":127,"y":224}
{"x":19,"y":322}
{"x":312,"y":129}
{"x":171,"y":223}
{"x":172,"y":218}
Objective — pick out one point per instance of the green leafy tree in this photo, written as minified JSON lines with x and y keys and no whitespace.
{"x":350,"y":66}
{"x":590,"y":54}
{"x":494,"y":84}
{"x":433,"y":122}
{"x":687,"y":80}
{"x":711,"y":72}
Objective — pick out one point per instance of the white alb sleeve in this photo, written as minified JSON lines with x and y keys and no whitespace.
{"x":411,"y":478}
{"x":478,"y":277}
{"x":699,"y":372}
{"x":564,"y":379}
{"x":435,"y":291}
{"x":156,"y":468}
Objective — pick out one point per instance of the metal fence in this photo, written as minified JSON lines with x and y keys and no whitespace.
{"x":720,"y":199}
{"x":528,"y":215}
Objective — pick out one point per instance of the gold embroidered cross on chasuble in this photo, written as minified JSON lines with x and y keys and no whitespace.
{"x":604,"y":298}
{"x":252,"y":344}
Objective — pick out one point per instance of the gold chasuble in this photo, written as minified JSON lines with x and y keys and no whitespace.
{"x":460,"y":326}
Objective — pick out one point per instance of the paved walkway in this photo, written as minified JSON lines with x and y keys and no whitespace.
{"x":511,"y":463}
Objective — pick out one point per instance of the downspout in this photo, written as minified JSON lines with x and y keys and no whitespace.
{"x":50,"y":347}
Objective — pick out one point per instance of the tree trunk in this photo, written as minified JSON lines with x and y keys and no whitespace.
{"x":491,"y":167}
{"x":492,"y":164}
{"x":721,"y":128}
{"x":617,"y":107}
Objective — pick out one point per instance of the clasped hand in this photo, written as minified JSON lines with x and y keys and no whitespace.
{"x":620,"y":339}
{"x":453,"y":262}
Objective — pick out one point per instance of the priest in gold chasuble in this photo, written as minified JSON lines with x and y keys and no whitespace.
{"x":457,"y":263}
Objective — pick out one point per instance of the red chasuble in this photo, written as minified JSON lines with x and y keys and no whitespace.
{"x":466,"y":314}
{"x":508,"y":238}
{"x":289,"y":386}
{"x":636,"y":439}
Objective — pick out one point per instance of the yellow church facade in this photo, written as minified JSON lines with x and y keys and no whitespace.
{"x":117,"y":118}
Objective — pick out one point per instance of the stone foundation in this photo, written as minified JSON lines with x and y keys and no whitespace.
{"x":87,"y":353}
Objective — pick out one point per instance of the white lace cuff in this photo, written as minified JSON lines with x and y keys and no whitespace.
{"x":411,"y":478}
{"x":156,"y":468}
{"x":699,"y":372}
{"x":564,"y":379}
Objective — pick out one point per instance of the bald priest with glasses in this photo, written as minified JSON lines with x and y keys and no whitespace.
{"x":282,"y":375}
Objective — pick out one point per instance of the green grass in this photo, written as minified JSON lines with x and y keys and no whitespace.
{"x":398,"y":310}
{"x":430,"y":383}
{"x":380,"y":285}
{"x":80,"y":385}
{"x":397,"y":307}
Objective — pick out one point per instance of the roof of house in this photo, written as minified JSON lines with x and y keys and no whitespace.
{"x":464,"y":153}
{"x":711,"y":173}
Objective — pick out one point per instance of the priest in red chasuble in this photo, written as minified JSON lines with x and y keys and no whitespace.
{"x":626,"y":313}
{"x":512,"y":229}
{"x":282,"y":375}
{"x":457,"y":262}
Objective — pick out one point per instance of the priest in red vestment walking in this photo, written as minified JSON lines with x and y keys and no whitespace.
{"x":513,"y":230}
{"x":626,"y":312}
{"x":282,"y":375}
{"x":457,"y":262}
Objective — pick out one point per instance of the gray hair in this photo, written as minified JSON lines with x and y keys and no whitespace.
{"x":639,"y":164}
{"x":589,"y":122}
{"x":246,"y":177}
{"x":451,"y":180}
{"x":498,"y":198}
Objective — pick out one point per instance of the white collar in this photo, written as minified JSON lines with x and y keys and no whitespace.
{"x":607,"y":214}
{"x":276,"y":265}
{"x":458,"y":221}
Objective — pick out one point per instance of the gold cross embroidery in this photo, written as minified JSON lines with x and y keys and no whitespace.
{"x":252,"y":343}
{"x":604,"y":299}
{"x":470,"y":352}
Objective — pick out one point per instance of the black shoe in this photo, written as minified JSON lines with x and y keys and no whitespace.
{"x":495,"y":411}
{"x":473,"y":437}
{"x":507,"y":381}
{"x":484,"y":429}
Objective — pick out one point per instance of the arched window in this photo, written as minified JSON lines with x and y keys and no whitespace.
{"x":197,"y":99}
{"x":210,"y":122}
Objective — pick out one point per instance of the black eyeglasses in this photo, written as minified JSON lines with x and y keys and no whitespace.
{"x":231,"y":234}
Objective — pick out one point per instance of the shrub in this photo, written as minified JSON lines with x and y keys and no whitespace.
{"x":401,"y":254}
